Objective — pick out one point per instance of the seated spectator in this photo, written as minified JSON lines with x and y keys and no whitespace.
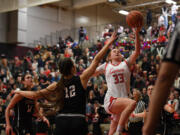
{"x":145,"y":97}
{"x":96,"y":91}
{"x":135,"y":124}
{"x":155,"y":30}
{"x":145,"y":65}
{"x":97,"y":119}
{"x":139,"y":83}
{"x":101,"y":96}
{"x":174,"y":103}
{"x":151,"y":80}
{"x":91,"y":97}
{"x":161,"y":39}
{"x":105,"y":31}
{"x":120,"y":30}
{"x":67,"y":53}
{"x":99,"y":45}
{"x":98,"y":80}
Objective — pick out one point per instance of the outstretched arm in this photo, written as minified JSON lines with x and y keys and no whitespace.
{"x":91,"y":69}
{"x":37,"y":94}
{"x":135,"y":53}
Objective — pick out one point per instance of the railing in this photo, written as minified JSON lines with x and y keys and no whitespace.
{"x":94,"y":33}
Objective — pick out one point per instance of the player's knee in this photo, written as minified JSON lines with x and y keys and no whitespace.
{"x":133,"y":104}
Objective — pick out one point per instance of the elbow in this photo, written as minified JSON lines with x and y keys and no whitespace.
{"x":34,"y":97}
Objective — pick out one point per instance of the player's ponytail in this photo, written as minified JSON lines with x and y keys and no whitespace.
{"x":56,"y":101}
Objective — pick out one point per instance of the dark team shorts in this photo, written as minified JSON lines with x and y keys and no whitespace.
{"x":71,"y":125}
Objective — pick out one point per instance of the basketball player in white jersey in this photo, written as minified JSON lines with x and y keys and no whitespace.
{"x":117,"y":72}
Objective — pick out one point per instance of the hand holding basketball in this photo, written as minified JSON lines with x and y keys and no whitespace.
{"x":135,"y":19}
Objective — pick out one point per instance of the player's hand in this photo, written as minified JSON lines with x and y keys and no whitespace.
{"x":112,"y":38}
{"x":17,"y":91}
{"x":47,"y":121}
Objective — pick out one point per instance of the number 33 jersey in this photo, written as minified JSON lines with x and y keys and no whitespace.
{"x":117,"y":78}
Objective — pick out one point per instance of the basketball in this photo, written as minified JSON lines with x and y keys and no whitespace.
{"x":134,"y":19}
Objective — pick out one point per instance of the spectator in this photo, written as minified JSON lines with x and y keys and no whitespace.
{"x":172,"y":101}
{"x":174,"y":9}
{"x":102,"y":95}
{"x":120,"y":30}
{"x":82,"y":35}
{"x":165,"y":15}
{"x":138,"y":83}
{"x":135,"y":124}
{"x":97,"y":119}
{"x":160,"y":20}
{"x":145,"y":97}
{"x":146,"y":65}
{"x":149,"y":17}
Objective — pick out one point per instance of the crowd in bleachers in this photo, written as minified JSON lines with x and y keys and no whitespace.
{"x":42,"y":63}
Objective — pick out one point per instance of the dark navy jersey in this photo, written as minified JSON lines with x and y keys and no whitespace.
{"x":74,"y":97}
{"x":24,"y":111}
{"x":41,"y":126}
{"x":172,"y":53}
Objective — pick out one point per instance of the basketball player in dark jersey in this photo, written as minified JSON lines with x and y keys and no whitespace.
{"x":70,"y":120}
{"x":24,"y":109}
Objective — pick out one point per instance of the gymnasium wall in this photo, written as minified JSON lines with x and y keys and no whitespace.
{"x":3,"y":27}
{"x":44,"y":21}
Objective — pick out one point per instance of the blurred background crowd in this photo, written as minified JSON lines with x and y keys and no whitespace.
{"x":42,"y":63}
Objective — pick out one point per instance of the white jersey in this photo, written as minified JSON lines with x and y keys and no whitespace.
{"x":117,"y":78}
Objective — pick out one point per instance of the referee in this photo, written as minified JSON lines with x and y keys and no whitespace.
{"x":168,"y":71}
{"x":136,"y":123}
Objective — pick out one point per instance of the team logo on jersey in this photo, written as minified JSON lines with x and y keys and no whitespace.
{"x":116,"y":70}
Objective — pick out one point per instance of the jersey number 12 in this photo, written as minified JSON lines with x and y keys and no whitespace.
{"x":70,"y":92}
